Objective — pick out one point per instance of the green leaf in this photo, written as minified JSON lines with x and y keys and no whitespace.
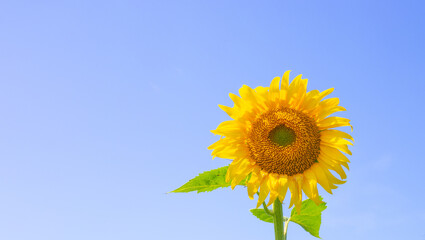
{"x":207,"y":181}
{"x":310,"y":216}
{"x":262,"y":215}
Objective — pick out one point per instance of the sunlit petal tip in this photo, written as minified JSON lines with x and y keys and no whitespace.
{"x":286,"y":73}
{"x":214,"y":132}
{"x":233,"y":96}
{"x":275,"y":83}
{"x":271,"y":199}
{"x":226,"y":109}
{"x":346,"y":166}
{"x":285,"y":80}
{"x":236,"y":99}
{"x":291,"y":203}
{"x":252,"y":190}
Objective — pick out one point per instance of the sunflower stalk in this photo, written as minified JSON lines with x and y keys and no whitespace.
{"x":279,"y":232}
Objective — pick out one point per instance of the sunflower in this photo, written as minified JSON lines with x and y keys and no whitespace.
{"x":283,"y":138}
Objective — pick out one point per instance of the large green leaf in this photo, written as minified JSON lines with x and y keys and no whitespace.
{"x":207,"y":181}
{"x":262,"y":215}
{"x":310,"y":216}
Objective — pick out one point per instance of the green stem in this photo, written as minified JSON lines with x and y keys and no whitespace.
{"x":266,"y":209}
{"x":278,"y":220}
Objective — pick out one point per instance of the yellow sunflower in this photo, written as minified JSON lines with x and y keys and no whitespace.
{"x":283,"y":137}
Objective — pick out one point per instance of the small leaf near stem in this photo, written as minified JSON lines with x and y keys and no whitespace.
{"x":262,"y":215}
{"x":267,"y":210}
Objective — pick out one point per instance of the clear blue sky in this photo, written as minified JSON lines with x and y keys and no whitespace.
{"x":107,"y":105}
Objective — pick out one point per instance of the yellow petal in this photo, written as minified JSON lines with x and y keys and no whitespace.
{"x":240,"y":177}
{"x":230,"y":111}
{"x":283,"y":187}
{"x":224,"y":143}
{"x":341,"y":147}
{"x":334,"y":154}
{"x":335,"y":142}
{"x":332,"y":122}
{"x":331,"y":178}
{"x":331,"y":102}
{"x":298,"y":178}
{"x":300,"y":94}
{"x":248,"y":94}
{"x":333,"y":166}
{"x":274,"y":187}
{"x":264,"y":191}
{"x":274,"y":89}
{"x":310,"y":101}
{"x":229,"y":153}
{"x":254,"y":182}
{"x":293,"y":190}
{"x":325,"y":93}
{"x":337,"y":133}
{"x":315,"y":98}
{"x":310,"y":186}
{"x":330,"y":138}
{"x":293,"y":187}
{"x":295,"y":91}
{"x":240,"y":173}
{"x":285,"y":81}
{"x":293,"y":87}
{"x":230,"y":128}
{"x":233,"y":167}
{"x":321,"y":177}
{"x":262,"y":95}
{"x":228,"y":124}
{"x":328,"y":111}
{"x":236,"y":99}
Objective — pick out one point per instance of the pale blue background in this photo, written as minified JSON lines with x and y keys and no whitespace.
{"x":107,"y":105}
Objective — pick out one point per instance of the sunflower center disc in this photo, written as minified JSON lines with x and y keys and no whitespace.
{"x":282,"y":135}
{"x":284,"y":141}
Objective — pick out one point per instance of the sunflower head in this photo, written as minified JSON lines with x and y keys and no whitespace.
{"x":283,"y":136}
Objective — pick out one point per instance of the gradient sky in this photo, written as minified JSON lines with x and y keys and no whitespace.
{"x":107,"y":105}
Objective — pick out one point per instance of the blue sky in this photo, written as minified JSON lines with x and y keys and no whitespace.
{"x":107,"y":105}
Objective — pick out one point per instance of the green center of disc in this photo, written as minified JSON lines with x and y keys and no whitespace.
{"x":282,"y":135}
